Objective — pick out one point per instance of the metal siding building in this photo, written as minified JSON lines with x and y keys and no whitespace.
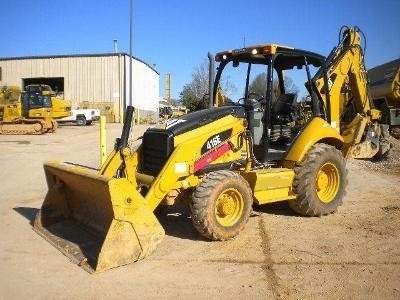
{"x":100,"y":78}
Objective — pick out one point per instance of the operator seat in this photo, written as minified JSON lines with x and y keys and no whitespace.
{"x":283,"y":108}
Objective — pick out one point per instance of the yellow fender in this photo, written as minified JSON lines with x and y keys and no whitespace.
{"x":318,"y":130}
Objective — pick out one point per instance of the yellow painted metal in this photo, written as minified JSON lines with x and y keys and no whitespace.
{"x":99,"y":222}
{"x":60,"y":108}
{"x":367,"y":148}
{"x":327,"y":182}
{"x":317,"y":130}
{"x":13,"y":122}
{"x":353,"y":133}
{"x":13,"y":119}
{"x":11,"y":111}
{"x":103,"y":140}
{"x":229,"y":207}
{"x":271,"y":185}
{"x":144,"y":178}
{"x":117,"y":204}
{"x":188,"y":150}
{"x":118,"y":157}
{"x":348,"y":70}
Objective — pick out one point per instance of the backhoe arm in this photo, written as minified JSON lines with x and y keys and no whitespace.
{"x":344,"y":92}
{"x":345,"y":68}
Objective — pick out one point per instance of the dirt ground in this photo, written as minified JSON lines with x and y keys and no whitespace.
{"x":353,"y":254}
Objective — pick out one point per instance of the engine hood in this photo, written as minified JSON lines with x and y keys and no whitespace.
{"x":203,"y":117}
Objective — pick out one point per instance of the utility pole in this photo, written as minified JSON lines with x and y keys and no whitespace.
{"x":130,"y":51}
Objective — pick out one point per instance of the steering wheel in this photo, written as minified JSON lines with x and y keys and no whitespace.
{"x":255,"y":96}
{"x":250,"y":98}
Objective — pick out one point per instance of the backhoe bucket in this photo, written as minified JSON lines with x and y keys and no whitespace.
{"x":96,"y":221}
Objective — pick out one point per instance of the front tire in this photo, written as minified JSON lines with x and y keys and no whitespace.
{"x":221,"y":205}
{"x":320,"y":181}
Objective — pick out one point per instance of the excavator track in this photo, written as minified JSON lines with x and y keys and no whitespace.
{"x":24,"y":126}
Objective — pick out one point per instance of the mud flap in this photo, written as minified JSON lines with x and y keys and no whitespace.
{"x":96,"y":221}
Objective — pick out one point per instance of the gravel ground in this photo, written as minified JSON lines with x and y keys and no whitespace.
{"x":390,"y":163}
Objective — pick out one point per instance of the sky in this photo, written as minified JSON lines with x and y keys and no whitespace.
{"x":175,"y":36}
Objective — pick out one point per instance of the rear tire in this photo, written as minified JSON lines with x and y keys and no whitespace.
{"x":221,"y":205}
{"x":81,"y":121}
{"x":320,"y":181}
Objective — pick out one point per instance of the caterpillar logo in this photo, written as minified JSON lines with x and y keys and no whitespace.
{"x":216,"y":139}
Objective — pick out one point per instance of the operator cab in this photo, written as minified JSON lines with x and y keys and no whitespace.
{"x":33,"y":100}
{"x":274,"y":84}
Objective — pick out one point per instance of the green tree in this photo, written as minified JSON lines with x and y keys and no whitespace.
{"x":188,"y":97}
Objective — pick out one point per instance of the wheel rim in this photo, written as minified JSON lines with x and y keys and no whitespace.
{"x":327,"y":182}
{"x":229,"y":207}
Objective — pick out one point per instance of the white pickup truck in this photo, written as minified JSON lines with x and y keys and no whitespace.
{"x":82,"y":117}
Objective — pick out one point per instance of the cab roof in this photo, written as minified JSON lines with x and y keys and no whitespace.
{"x":285,"y":57}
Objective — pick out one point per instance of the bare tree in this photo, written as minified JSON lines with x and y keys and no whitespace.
{"x":259,"y":85}
{"x":195,"y":94}
{"x":192,"y":95}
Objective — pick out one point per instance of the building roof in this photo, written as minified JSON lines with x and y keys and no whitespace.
{"x":78,"y":55}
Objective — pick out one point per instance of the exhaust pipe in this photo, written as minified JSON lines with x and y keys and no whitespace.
{"x":122,"y":142}
{"x":211,"y":80}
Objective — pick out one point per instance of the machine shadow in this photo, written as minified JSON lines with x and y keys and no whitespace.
{"x":176,"y":219}
{"x":280,"y":208}
{"x":177,"y":222}
{"x":28,"y":212}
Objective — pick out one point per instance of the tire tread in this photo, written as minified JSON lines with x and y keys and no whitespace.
{"x":202,"y":199}
{"x":307,"y":202}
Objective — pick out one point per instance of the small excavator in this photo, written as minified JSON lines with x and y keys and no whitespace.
{"x":221,"y":160}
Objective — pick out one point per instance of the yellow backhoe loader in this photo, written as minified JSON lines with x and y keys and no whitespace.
{"x":32,"y":111}
{"x":220,"y":160}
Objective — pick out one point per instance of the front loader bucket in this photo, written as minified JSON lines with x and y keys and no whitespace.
{"x":96,"y":221}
